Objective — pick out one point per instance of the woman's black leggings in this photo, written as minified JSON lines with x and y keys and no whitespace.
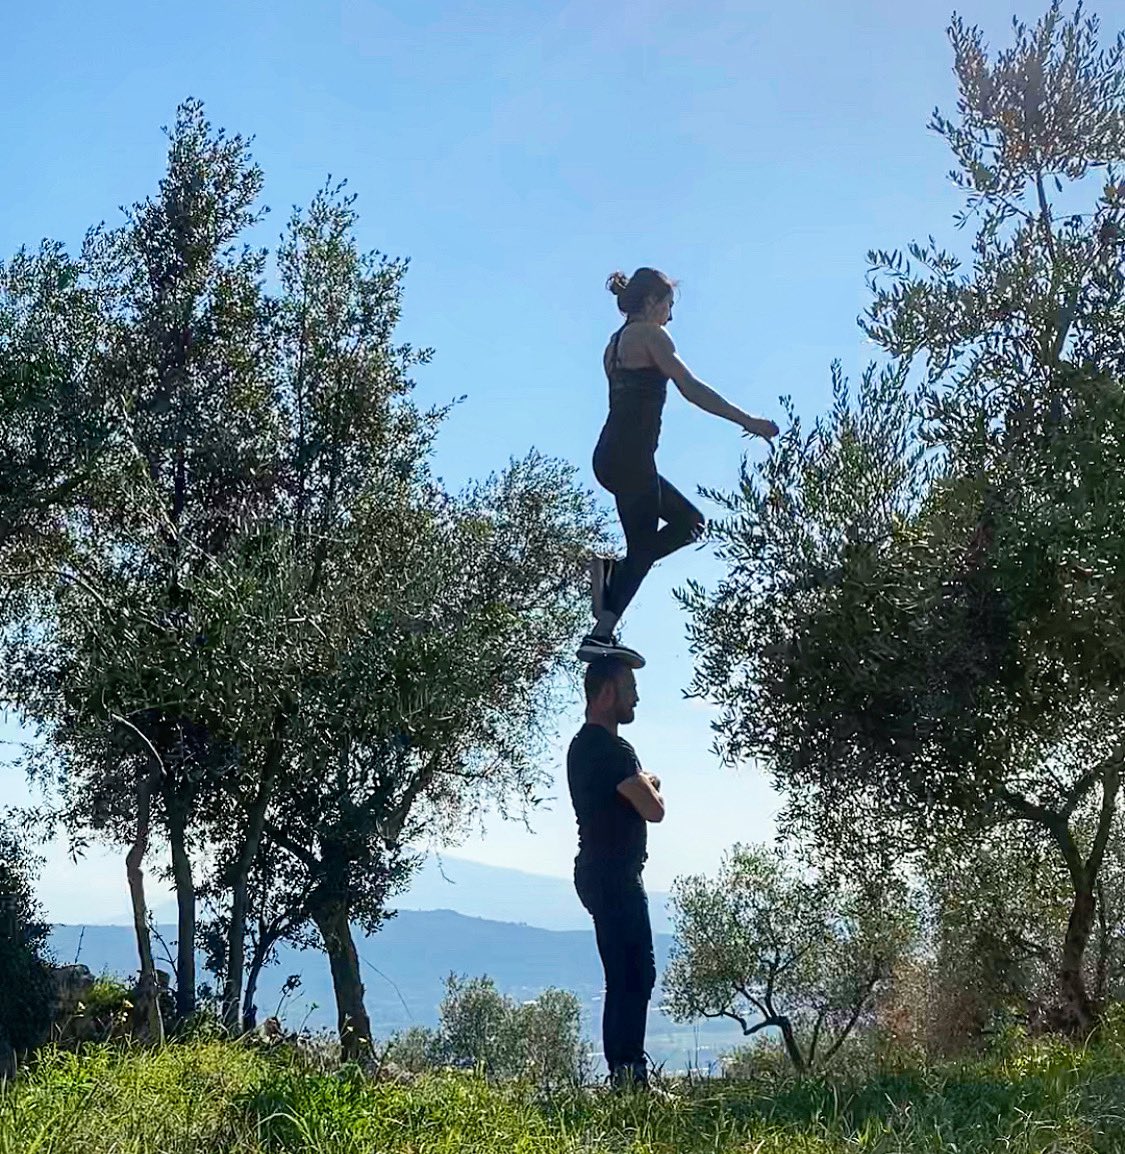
{"x":644,"y":499}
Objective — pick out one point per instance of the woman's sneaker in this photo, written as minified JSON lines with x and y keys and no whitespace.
{"x":593,"y":647}
{"x":601,"y":573}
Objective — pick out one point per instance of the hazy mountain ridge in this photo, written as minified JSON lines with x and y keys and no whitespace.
{"x":477,"y":890}
{"x":502,"y":894}
{"x":404,"y":967}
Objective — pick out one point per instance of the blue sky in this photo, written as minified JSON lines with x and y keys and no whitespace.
{"x":518,"y":154}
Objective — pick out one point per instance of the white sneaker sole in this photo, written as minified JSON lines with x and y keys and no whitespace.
{"x":630,"y":656}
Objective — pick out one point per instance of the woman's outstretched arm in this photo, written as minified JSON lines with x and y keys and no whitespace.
{"x":663,"y":352}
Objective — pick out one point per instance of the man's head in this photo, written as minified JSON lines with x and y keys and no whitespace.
{"x":611,"y":692}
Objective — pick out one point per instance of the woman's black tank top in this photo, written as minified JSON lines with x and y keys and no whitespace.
{"x":636,"y":402}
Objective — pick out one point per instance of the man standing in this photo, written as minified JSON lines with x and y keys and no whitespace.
{"x":613,"y":800}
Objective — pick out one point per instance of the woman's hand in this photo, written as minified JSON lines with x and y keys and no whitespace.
{"x":760,"y":427}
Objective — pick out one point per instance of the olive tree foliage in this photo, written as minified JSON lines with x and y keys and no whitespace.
{"x":772,"y":948}
{"x":539,"y":1040}
{"x":436,"y":708}
{"x":56,"y":410}
{"x":26,"y":989}
{"x":138,"y":675}
{"x":296,"y":649}
{"x":56,"y":413}
{"x":443,"y":617}
{"x":920,"y":628}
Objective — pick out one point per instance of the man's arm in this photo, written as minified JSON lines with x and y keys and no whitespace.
{"x":643,"y":794}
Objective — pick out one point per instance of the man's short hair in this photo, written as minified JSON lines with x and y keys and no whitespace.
{"x":601,"y":672}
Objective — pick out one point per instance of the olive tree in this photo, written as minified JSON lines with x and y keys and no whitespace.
{"x":920,"y":628}
{"x":771,"y":948}
{"x":295,"y":641}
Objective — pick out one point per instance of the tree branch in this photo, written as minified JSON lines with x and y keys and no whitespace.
{"x":1111,"y":787}
{"x":1078,"y":791}
{"x":1045,"y":214}
{"x":754,"y":1001}
{"x":64,"y":574}
{"x":856,"y":1011}
{"x":290,"y":846}
{"x":729,"y":1014}
{"x":816,"y":1033}
{"x":1055,"y":824}
{"x":393,"y":828}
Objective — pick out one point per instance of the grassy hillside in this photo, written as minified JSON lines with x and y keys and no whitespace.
{"x":220,"y":1097}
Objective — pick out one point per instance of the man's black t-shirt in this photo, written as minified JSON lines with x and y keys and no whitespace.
{"x":610,"y":831}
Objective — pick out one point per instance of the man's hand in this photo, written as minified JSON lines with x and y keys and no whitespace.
{"x":642,"y":791}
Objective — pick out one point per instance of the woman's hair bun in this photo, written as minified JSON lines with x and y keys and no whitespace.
{"x":618,"y":282}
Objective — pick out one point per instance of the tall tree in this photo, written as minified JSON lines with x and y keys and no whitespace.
{"x":921,"y":625}
{"x":435,"y":707}
{"x":122,"y":669}
{"x":297,"y":641}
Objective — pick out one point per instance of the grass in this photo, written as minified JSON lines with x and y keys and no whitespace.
{"x":219,"y":1097}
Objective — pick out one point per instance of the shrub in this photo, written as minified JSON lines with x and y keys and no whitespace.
{"x":482,"y":1029}
{"x":416,"y":1050}
{"x":25,"y":980}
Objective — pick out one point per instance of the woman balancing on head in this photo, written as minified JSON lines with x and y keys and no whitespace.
{"x":639,"y":361}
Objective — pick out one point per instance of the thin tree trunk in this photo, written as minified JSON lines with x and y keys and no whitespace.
{"x":257,"y":963}
{"x":239,"y":909}
{"x":790,"y":1040}
{"x":1077,"y":1011}
{"x":354,"y":1026}
{"x":249,"y":1010}
{"x":148,"y":1026}
{"x":240,"y":886}
{"x":845,"y":1033}
{"x":1101,"y":979}
{"x":185,"y":907}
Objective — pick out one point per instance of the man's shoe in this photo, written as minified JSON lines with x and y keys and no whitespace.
{"x":632,"y":1076}
{"x":594,"y":647}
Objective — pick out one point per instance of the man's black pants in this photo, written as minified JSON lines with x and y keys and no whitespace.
{"x":616,"y":900}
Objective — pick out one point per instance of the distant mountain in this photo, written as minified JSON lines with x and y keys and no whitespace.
{"x":478,"y":891}
{"x":507,"y":895}
{"x":405,"y":964}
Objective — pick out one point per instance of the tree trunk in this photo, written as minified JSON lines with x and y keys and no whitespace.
{"x":257,"y":964}
{"x":331,"y":919}
{"x":240,"y":886}
{"x":185,"y":907}
{"x":249,"y":1010}
{"x":239,"y":909}
{"x":790,"y":1040}
{"x":1101,"y":980}
{"x":148,"y":1025}
{"x":1077,"y":1011}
